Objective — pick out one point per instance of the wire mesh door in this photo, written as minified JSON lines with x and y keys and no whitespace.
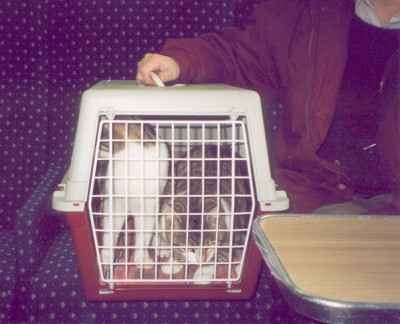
{"x":171,"y":201}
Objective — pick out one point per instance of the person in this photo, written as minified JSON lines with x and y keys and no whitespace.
{"x":327,"y":72}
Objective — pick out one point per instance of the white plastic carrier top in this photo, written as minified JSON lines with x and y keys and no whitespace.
{"x":112,"y":98}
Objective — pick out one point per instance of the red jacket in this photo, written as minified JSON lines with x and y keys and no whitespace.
{"x":293,"y":52}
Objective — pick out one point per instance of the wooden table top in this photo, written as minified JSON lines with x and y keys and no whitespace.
{"x":352,"y":259}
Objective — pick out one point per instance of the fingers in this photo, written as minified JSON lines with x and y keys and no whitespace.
{"x":165,"y":67}
{"x":146,"y":65}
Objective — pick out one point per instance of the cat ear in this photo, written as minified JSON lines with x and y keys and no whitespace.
{"x":134,"y":131}
{"x":105,"y":131}
{"x":118,"y":131}
{"x":226,"y":209}
{"x":180,"y":221}
{"x":149,"y":131}
{"x":210,"y":219}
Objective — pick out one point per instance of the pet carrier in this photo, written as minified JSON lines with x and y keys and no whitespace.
{"x":162,"y":189}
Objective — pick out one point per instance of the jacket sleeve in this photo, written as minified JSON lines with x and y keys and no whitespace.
{"x":389,"y":130}
{"x":233,"y":56}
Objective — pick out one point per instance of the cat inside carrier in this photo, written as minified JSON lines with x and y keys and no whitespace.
{"x":162,"y":190}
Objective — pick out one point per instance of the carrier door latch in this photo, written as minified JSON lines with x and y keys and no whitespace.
{"x":235,"y":114}
{"x":108,"y":112}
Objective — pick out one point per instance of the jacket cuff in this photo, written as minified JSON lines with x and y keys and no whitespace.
{"x":182,"y":57}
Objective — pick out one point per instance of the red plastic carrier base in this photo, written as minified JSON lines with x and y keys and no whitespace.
{"x":96,"y":290}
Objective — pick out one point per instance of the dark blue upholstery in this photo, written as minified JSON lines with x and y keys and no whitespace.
{"x":36,"y":230}
{"x":15,"y":185}
{"x":37,"y":227}
{"x":49,"y":302}
{"x":23,"y":130}
{"x":23,"y":102}
{"x":7,"y":274}
{"x":54,"y":50}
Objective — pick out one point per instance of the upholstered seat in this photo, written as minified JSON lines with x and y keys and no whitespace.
{"x":56,"y":295}
{"x":7,"y":274}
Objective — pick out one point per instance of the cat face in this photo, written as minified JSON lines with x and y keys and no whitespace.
{"x":195,"y":237}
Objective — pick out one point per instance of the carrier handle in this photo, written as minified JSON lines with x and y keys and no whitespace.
{"x":157,"y":79}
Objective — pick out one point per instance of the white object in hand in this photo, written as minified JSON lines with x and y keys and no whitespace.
{"x":157,"y":79}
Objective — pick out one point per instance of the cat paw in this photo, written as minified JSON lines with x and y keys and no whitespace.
{"x":164,"y":253}
{"x":148,"y":263}
{"x":106,"y":257}
{"x":171,"y":269}
{"x":143,"y":260}
{"x":204,"y":275}
{"x":237,"y":271}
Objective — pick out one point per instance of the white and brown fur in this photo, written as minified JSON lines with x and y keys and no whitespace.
{"x":150,"y":156}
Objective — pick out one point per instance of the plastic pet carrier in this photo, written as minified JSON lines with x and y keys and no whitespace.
{"x":162,"y":189}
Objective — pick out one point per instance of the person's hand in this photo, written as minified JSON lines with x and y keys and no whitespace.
{"x":164,"y":66}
